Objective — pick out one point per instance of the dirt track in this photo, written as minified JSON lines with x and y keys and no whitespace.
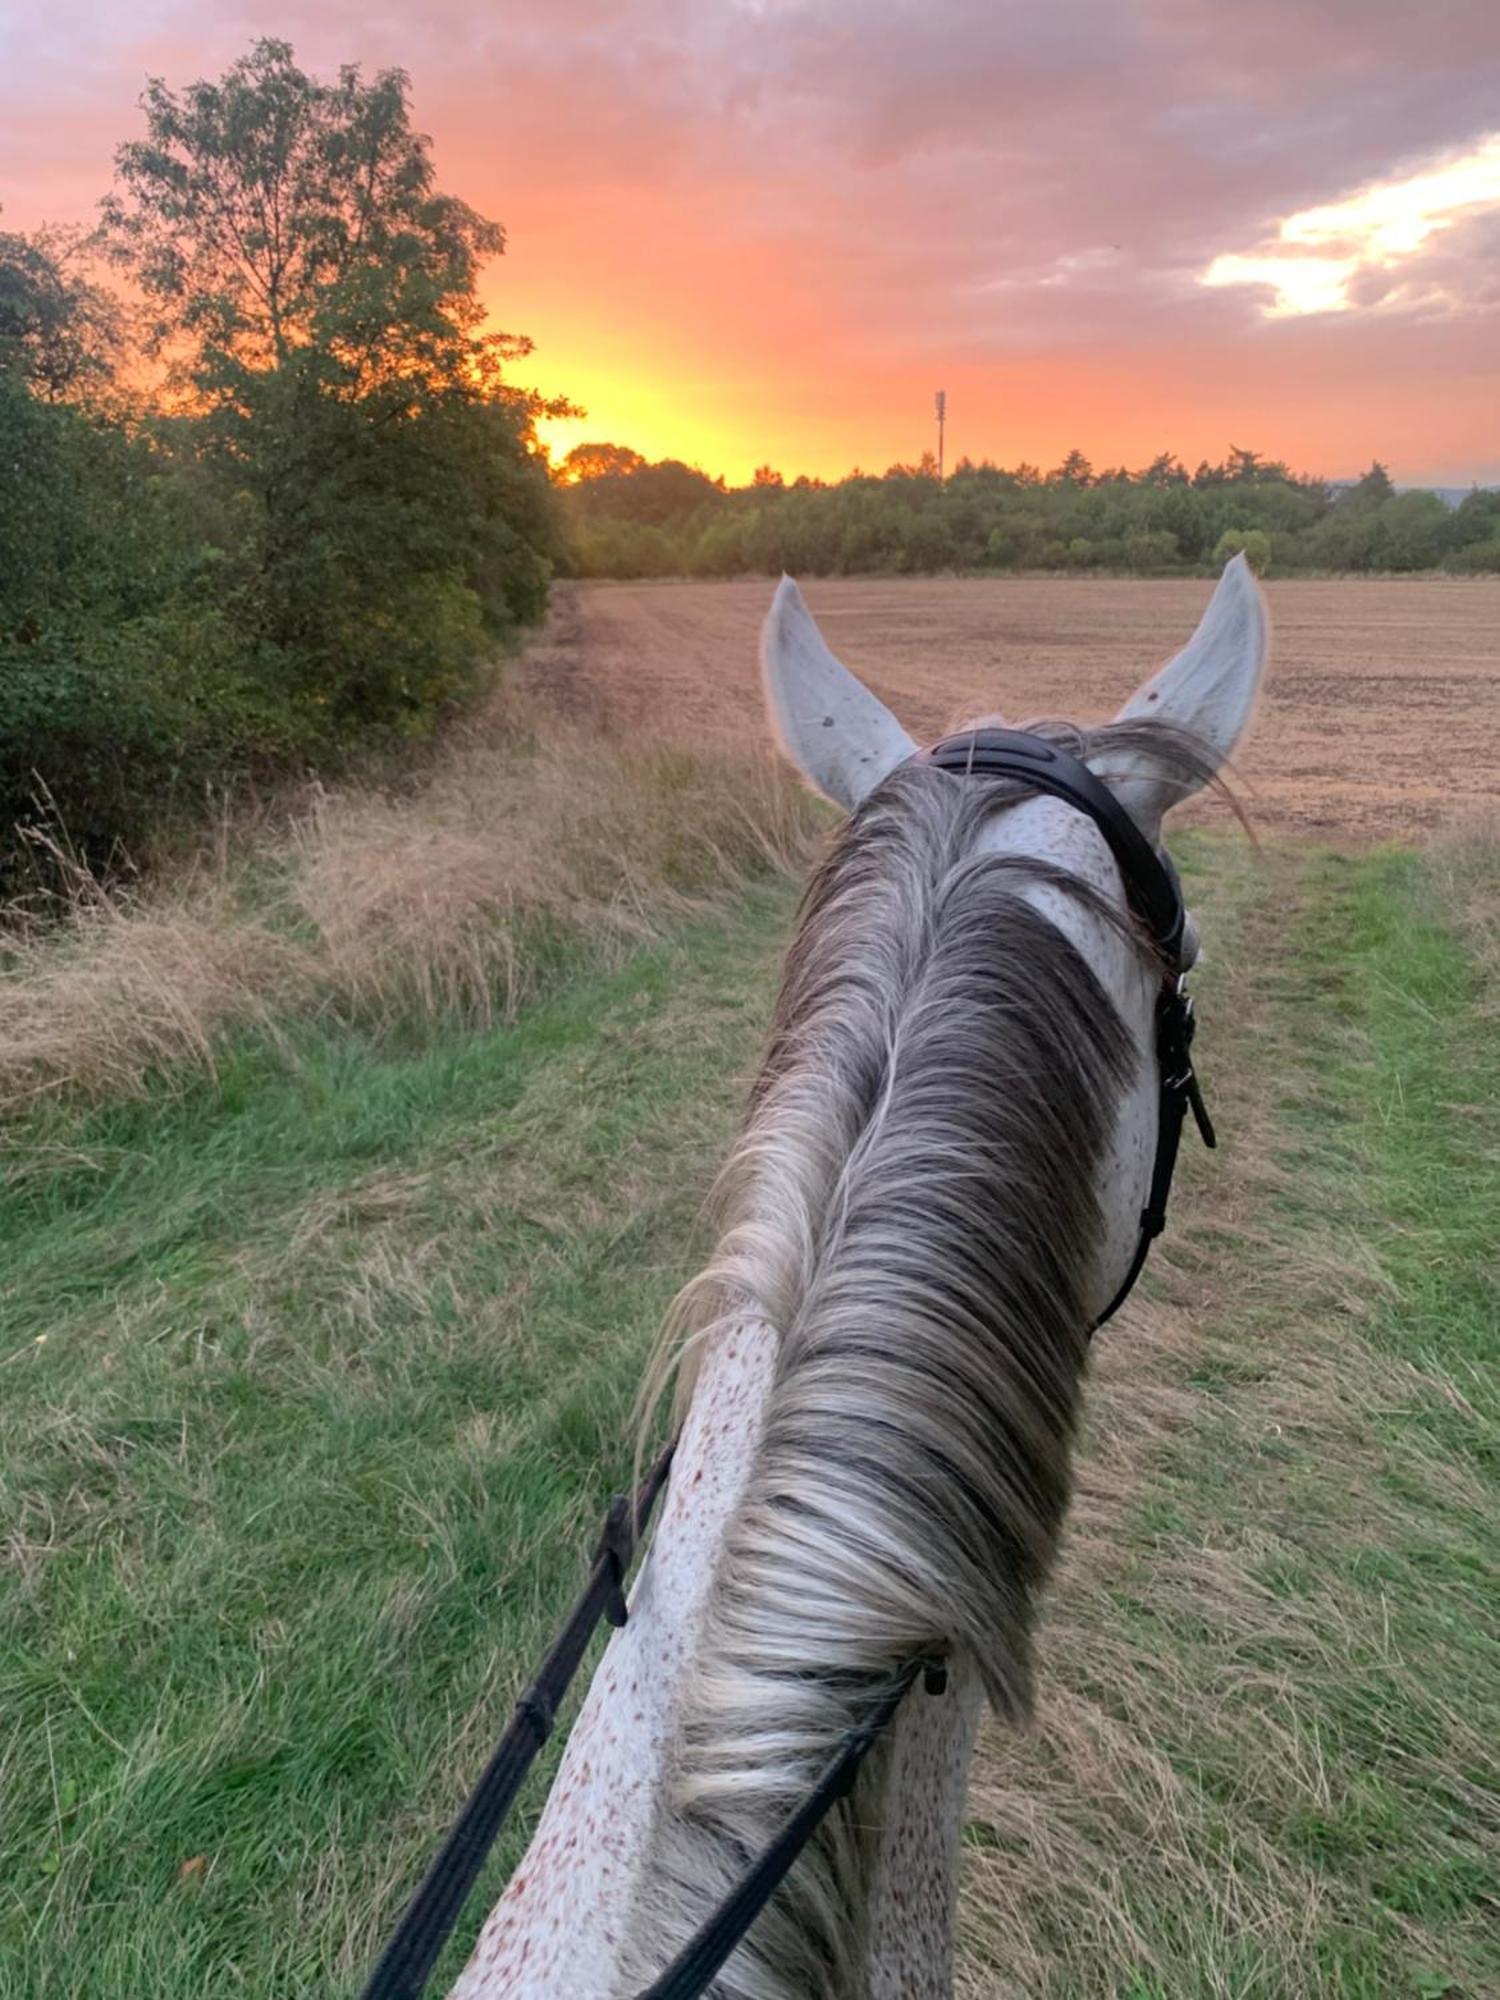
{"x":1382,"y":714}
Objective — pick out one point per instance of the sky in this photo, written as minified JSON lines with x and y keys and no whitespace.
{"x":748,"y":232}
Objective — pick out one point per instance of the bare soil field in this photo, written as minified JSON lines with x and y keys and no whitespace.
{"x":1382,"y":715}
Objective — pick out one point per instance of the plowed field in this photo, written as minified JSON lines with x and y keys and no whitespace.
{"x":1382,"y":713}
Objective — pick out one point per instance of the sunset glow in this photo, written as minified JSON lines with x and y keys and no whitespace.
{"x":765,"y":231}
{"x":1376,"y":231}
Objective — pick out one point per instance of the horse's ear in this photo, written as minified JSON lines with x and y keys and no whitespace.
{"x":835,"y":731}
{"x":1209,"y":692}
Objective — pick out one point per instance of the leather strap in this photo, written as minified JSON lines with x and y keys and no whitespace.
{"x":1151,"y":884}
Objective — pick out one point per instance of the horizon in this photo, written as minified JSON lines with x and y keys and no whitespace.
{"x":965,"y":460}
{"x":760,"y":232}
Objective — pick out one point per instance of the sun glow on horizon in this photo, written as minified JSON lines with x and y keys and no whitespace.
{"x":1317,"y":254}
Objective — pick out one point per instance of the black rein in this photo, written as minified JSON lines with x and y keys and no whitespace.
{"x":408,"y":1959}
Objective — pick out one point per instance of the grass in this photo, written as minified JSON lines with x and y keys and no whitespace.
{"x":519,"y":857}
{"x":1266,"y":1764}
{"x":316,"y":1377}
{"x":314,"y":1373}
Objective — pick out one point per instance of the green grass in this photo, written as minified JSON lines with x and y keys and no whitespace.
{"x":1275,"y":1741}
{"x":314,"y":1378}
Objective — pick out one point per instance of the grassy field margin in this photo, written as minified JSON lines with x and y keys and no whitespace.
{"x":316,"y":1375}
{"x":315,"y":1371}
{"x":1265,"y":1767}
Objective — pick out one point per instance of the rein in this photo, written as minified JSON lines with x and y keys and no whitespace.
{"x":407,"y":1961}
{"x":1155,"y":895}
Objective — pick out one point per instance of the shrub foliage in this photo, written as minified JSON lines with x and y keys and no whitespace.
{"x":628,"y":518}
{"x":330,"y":512}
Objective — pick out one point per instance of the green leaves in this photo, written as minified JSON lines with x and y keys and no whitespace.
{"x":269,"y":214}
{"x":347,"y":510}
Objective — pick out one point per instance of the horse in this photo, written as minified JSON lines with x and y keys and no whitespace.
{"x":939,"y":1187}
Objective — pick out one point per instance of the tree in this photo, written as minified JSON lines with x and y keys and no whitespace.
{"x":316,"y":297}
{"x":644,"y":492}
{"x":1253,"y":543}
{"x":269,"y":213}
{"x":1373,"y":490}
{"x":1477,"y":516}
{"x":58,"y":333}
{"x":599,"y":461}
{"x":1418,"y":529}
{"x":1075,"y":470}
{"x":1166,"y":469}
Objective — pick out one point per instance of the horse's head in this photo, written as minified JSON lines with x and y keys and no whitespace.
{"x":1174,"y":733}
{"x":1172,"y":736}
{"x":943,"y":1180}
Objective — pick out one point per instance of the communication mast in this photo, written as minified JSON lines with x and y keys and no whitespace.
{"x":942,"y":417}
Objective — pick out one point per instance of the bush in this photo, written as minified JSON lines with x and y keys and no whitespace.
{"x":1253,"y":543}
{"x":1476,"y":559}
{"x":357,"y":515}
{"x":123,"y":688}
{"x":1148,"y":549}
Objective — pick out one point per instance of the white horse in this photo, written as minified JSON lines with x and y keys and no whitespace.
{"x":936,"y":1193}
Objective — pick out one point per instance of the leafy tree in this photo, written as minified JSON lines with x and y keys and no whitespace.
{"x":332,"y":520}
{"x":268,"y":214}
{"x":59,"y":334}
{"x":1417,"y":531}
{"x":1166,"y":469}
{"x":1253,"y":543}
{"x":1476,"y":558}
{"x":640,"y":492}
{"x":1373,"y":490}
{"x":1477,"y":517}
{"x":599,"y":461}
{"x":316,"y":296}
{"x":1075,"y":470}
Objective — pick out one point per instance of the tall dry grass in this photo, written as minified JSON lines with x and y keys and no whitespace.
{"x":1466,"y":863}
{"x":532,"y":845}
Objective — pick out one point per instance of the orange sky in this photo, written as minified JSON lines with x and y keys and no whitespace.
{"x":747,"y":231}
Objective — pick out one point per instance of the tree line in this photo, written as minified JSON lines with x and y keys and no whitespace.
{"x":631,"y":518}
{"x":269,"y":495}
{"x":273,"y":498}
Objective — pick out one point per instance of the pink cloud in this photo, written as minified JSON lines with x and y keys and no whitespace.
{"x":801,"y":217}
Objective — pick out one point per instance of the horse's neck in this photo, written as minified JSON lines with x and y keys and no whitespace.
{"x":561,"y":1924}
{"x":557,"y":1929}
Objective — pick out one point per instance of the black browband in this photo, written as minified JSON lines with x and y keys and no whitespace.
{"x":1154,"y":893}
{"x":1150,"y":879}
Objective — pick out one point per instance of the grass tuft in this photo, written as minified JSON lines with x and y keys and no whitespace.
{"x":526,"y":854}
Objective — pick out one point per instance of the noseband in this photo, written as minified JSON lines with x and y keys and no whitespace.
{"x":1154,"y":894}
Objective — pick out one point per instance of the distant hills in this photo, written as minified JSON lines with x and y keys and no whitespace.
{"x":1451,"y":496}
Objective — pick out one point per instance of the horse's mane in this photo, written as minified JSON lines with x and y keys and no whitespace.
{"x":912,"y":1207}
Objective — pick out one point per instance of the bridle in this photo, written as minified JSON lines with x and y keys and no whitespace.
{"x":1155,"y":896}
